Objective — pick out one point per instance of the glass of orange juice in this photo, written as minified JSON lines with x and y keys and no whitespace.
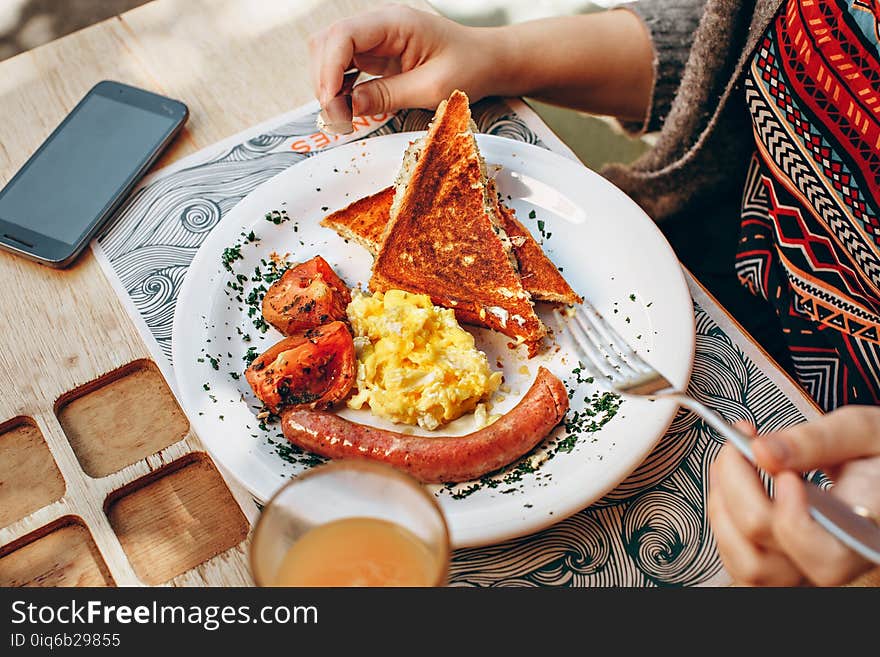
{"x":351,"y":523}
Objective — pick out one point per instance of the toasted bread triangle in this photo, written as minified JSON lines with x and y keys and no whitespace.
{"x":538,"y":273}
{"x":444,"y":239}
{"x":364,"y":222}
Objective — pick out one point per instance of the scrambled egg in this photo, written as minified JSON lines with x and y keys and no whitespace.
{"x":416,"y":365}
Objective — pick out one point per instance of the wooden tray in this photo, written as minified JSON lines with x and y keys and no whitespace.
{"x":110,"y":487}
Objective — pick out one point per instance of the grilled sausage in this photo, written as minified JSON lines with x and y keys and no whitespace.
{"x":441,"y":459}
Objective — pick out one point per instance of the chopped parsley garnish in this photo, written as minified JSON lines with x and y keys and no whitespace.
{"x":277,"y":217}
{"x":251,"y":355}
{"x":291,"y":453}
{"x":541,"y":224}
{"x":578,"y":372}
{"x":230,"y":255}
{"x":601,"y":407}
{"x":261,"y":324}
{"x":460,"y":495}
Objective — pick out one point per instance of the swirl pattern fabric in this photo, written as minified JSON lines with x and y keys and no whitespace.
{"x":811,"y":208}
{"x":650,"y":531}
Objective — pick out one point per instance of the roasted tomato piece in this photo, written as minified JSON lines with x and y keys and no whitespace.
{"x":313,"y":368}
{"x":307,"y":295}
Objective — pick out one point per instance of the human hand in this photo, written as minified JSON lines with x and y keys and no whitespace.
{"x":422,"y":58}
{"x":764,"y":542}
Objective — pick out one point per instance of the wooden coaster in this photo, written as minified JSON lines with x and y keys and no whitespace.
{"x":176,"y":518}
{"x":121,"y":418}
{"x":60,"y":554}
{"x":29,"y":476}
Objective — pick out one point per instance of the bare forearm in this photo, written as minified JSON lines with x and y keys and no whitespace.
{"x":600,"y":63}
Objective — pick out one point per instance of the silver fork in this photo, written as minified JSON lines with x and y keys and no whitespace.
{"x":616,"y":365}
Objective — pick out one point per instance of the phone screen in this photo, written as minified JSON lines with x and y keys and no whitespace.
{"x":80,"y":170}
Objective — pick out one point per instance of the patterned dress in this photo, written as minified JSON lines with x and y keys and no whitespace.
{"x":810,"y":233}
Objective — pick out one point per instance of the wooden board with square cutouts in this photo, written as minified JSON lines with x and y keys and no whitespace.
{"x":115,"y":454}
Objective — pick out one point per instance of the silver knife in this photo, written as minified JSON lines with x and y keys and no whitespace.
{"x":335,"y":118}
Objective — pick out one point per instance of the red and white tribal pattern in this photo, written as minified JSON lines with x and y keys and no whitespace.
{"x":810,"y":235}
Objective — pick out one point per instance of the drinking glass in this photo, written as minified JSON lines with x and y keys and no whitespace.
{"x":351,"y":523}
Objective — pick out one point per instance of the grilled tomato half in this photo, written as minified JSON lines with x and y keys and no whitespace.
{"x":307,"y":295}
{"x":314,"y":368}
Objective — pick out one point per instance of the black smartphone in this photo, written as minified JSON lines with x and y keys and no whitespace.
{"x":82,"y":173}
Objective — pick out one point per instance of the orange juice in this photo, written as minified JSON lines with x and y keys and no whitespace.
{"x":358,"y":552}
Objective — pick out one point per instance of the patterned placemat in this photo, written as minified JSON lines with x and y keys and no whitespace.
{"x":651,"y":531}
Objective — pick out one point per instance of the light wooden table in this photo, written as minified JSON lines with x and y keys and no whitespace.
{"x":89,"y":492}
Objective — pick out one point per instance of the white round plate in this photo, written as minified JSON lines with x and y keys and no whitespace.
{"x":608,"y":249}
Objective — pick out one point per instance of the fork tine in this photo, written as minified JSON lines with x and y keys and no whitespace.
{"x":585,"y":347}
{"x":614,"y":339}
{"x":604,"y":344}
